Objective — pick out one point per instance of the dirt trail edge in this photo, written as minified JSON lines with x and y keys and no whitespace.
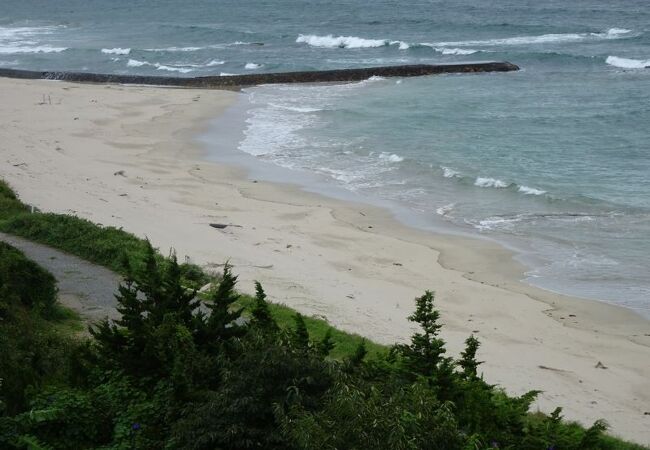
{"x":84,"y":287}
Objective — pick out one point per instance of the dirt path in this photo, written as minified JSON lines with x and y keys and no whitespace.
{"x":85,"y":287}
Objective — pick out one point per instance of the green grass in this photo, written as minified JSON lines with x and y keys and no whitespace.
{"x":345,"y":343}
{"x":9,"y":203}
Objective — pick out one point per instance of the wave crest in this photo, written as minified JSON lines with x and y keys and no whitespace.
{"x":627,"y":63}
{"x":331,"y":41}
{"x":555,"y":38}
{"x":530,"y":191}
{"x":490,"y":183}
{"x":116,"y":51}
{"x":158,"y":66}
{"x":390,"y":157}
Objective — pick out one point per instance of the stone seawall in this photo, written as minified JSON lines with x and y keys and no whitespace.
{"x":236,"y":81}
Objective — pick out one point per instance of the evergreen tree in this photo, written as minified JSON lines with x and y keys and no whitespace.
{"x":468,"y":361}
{"x":359,"y":354}
{"x":223,"y":321}
{"x":300,"y":335}
{"x":425,"y":351}
{"x":261,"y":315}
{"x":326,"y":345}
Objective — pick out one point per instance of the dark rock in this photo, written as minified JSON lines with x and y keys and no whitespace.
{"x":236,"y":81}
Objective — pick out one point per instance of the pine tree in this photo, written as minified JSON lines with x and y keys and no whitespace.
{"x":300,"y":335}
{"x":326,"y":345}
{"x":359,"y":354}
{"x":424,"y":354}
{"x":261,"y":315}
{"x":221,"y":323}
{"x":468,"y":361}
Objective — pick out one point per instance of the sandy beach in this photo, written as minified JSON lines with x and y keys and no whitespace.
{"x":128,"y":157}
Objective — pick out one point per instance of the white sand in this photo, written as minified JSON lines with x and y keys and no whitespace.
{"x":62,"y":144}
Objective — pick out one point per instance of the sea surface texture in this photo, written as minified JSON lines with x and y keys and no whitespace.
{"x":553,"y":160}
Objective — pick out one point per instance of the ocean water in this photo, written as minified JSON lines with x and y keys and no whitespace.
{"x":553,"y":160}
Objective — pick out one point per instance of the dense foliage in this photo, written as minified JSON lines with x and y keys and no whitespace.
{"x":31,"y":350}
{"x":181,"y":371}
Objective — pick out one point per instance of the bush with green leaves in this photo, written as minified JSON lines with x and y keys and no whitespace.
{"x":31,"y":350}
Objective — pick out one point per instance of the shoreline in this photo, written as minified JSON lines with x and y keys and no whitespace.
{"x":226,"y":152}
{"x":311,"y":252}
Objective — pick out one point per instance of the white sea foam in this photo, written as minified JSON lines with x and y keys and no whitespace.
{"x":116,"y":51}
{"x":490,"y":182}
{"x":172,"y":68}
{"x":450,"y":51}
{"x":158,"y":66}
{"x":14,"y":40}
{"x":390,"y":157}
{"x":445,"y":210}
{"x":226,"y":74}
{"x":10,"y":49}
{"x":612,"y":33}
{"x":136,"y":63}
{"x":215,"y":62}
{"x":331,"y":41}
{"x":449,"y":172}
{"x":175,"y":49}
{"x":491,"y":223}
{"x":627,"y":63}
{"x":295,"y":108}
{"x":530,"y":191}
{"x":456,"y":51}
{"x":252,"y":66}
{"x":616,"y":31}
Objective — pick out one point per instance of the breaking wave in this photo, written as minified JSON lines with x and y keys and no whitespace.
{"x":449,"y":173}
{"x":158,"y":66}
{"x":490,"y":183}
{"x":331,"y":41}
{"x":390,"y":157}
{"x":9,"y":50}
{"x":627,"y":63}
{"x":14,"y":40}
{"x":116,"y":51}
{"x":530,"y":191}
{"x":612,"y":33}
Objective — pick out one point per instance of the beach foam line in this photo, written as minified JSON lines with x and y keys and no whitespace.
{"x":627,"y":63}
